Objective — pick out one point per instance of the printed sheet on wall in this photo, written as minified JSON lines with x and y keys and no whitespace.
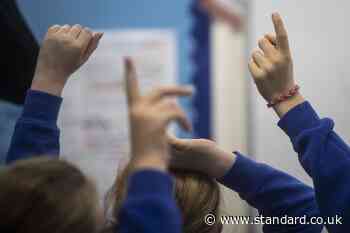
{"x":94,"y":121}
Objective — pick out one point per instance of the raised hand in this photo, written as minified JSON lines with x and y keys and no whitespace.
{"x":149,"y":117}
{"x":200,"y":155}
{"x":271,"y":65}
{"x":65,"y":49}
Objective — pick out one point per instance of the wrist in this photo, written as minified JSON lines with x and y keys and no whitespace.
{"x":50,"y":83}
{"x":224,"y":163}
{"x":150,"y":162}
{"x":284,"y":107}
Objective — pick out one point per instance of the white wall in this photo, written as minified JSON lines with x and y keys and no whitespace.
{"x":319,"y":37}
{"x":230,"y":106}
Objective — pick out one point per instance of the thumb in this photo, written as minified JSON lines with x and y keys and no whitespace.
{"x":177,"y":143}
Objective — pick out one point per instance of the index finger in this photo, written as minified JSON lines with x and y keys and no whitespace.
{"x":281,"y":33}
{"x":175,"y":142}
{"x":132,"y":86}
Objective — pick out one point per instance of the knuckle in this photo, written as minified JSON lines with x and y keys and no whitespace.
{"x":53,"y":27}
{"x":88,"y":31}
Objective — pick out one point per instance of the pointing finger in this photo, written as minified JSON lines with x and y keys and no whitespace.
{"x":132,"y":86}
{"x":281,"y":33}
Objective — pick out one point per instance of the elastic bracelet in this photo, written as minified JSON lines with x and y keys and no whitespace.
{"x":283,"y":97}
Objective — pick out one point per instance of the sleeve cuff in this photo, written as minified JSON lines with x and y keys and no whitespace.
{"x":242,"y":177}
{"x":41,"y":106}
{"x":150,"y":182}
{"x":298,"y":119}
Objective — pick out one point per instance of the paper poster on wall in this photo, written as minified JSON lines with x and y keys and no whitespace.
{"x":94,"y":113}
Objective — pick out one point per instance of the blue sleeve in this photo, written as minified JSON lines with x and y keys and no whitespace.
{"x":274,"y":194}
{"x":36,"y":132}
{"x":150,"y":205}
{"x":326,"y":158}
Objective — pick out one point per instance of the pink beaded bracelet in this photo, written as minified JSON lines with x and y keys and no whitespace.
{"x":283,"y":97}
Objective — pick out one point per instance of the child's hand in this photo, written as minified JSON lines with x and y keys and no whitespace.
{"x":64,"y":50}
{"x":272,"y":66}
{"x":200,"y":155}
{"x":149,"y":117}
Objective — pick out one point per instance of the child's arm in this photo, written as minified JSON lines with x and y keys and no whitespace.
{"x":150,"y":206}
{"x":325,"y":157}
{"x":322,"y":153}
{"x":64,"y":50}
{"x":272,"y":192}
{"x":275,"y":194}
{"x":36,"y":132}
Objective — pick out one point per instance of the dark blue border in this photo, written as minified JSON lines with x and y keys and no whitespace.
{"x":201,"y":57}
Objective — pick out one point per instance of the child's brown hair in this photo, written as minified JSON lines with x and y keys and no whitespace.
{"x":196,"y":194}
{"x":46,"y":195}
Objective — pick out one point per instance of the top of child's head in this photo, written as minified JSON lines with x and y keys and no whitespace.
{"x":196,"y":194}
{"x":47,"y":195}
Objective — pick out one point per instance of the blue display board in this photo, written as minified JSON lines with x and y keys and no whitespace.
{"x":184,"y":16}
